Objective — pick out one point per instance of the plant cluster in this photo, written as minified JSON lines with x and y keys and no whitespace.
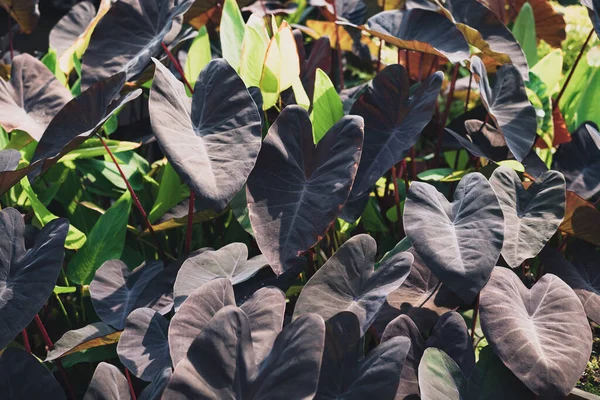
{"x":295,"y":200}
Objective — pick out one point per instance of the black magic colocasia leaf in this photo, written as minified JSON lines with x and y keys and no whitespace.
{"x":229,"y":262}
{"x":393,"y":123}
{"x":128,"y":36}
{"x":459,"y":241}
{"x":213,"y":139}
{"x":421,"y":30}
{"x":22,"y":376}
{"x":221,"y":362}
{"x":348,"y":282}
{"x":482,"y":140}
{"x":346,"y":375}
{"x":531,"y":216}
{"x":508,"y":106}
{"x":449,"y":334}
{"x":27,"y":277}
{"x":32,"y":97}
{"x":73,"y":24}
{"x":541,"y":334}
{"x":579,"y":161}
{"x":296,"y":190}
{"x":264,"y":309}
{"x":108,"y":383}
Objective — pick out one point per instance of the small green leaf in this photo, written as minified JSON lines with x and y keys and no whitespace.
{"x":232,"y":30}
{"x":524,"y":32}
{"x":588,"y":104}
{"x":327,"y":106}
{"x":169,"y":193}
{"x":64,"y":289}
{"x":75,"y":238}
{"x":198,"y":56}
{"x":106,"y":242}
{"x":93,"y":148}
{"x":76,"y":88}
{"x":435,"y":174}
{"x":549,"y":69}
{"x":50,"y":60}
{"x":254,"y":49}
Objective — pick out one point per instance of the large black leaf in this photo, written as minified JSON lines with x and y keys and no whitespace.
{"x":27,"y":277}
{"x":345,"y":376}
{"x":264,"y":310}
{"x":421,"y":30}
{"x":508,"y":106}
{"x":73,"y":24}
{"x":128,"y":36}
{"x":212,"y":140}
{"x":348,"y":282}
{"x":482,"y":140}
{"x":116,"y":291}
{"x":499,"y":38}
{"x":393,"y":122}
{"x":532,"y":216}
{"x":221,"y":363}
{"x":579,"y":161}
{"x":296,"y":189}
{"x":459,"y":241}
{"x":229,"y":262}
{"x":31,"y":98}
{"x":449,"y":334}
{"x":108,"y":383}
{"x":22,"y":376}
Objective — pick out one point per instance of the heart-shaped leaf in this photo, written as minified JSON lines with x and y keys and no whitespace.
{"x":211,"y":140}
{"x":421,"y":30}
{"x":449,"y":334}
{"x":108,"y":383}
{"x":143,"y":347}
{"x":459,"y":241}
{"x":297,"y":189}
{"x":582,"y":275}
{"x":229,"y":262}
{"x":531,"y":216}
{"x":264,"y":309}
{"x":80,"y":119}
{"x":482,"y":140}
{"x":22,"y":376}
{"x":541,"y":334}
{"x":422,"y":297}
{"x":32,"y":97}
{"x":221,"y":364}
{"x":579,"y":161}
{"x":508,"y":106}
{"x":90,"y":336}
{"x":393,"y":122}
{"x":440,"y":378}
{"x":348,"y":282}
{"x":155,"y":389}
{"x":343,"y":376}
{"x":128,"y":36}
{"x":27,"y":276}
{"x":116,"y":291}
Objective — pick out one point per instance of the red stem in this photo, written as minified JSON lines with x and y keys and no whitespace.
{"x":190,"y":222}
{"x":468,"y":91}
{"x":10,"y":37}
{"x":43,"y":331}
{"x":446,"y":110}
{"x":475,"y":312}
{"x":406,"y":183}
{"x":131,"y":391}
{"x":432,"y":67}
{"x":396,"y":198}
{"x":177,"y":66}
{"x":135,"y":199}
{"x":562,"y":91}
{"x":407,"y":62}
{"x":26,"y":340}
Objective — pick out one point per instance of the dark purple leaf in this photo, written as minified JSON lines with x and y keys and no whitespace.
{"x":9,"y":159}
{"x":108,"y":383}
{"x":155,"y":390}
{"x":482,"y":140}
{"x":70,"y":26}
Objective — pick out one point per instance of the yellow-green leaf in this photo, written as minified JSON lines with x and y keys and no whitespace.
{"x":327,"y":106}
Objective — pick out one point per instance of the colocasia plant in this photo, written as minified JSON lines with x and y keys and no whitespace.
{"x":332,"y":199}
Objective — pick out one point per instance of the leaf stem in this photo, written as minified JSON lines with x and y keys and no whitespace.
{"x":190,"y":222}
{"x":562,"y":90}
{"x":397,"y":198}
{"x":136,"y":200}
{"x":177,"y":66}
{"x":26,"y":340}
{"x":468,"y":91}
{"x":131,"y":391}
{"x":449,"y":99}
{"x":475,"y":314}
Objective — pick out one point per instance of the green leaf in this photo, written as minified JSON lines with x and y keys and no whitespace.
{"x":327,"y":106}
{"x":549,"y":69}
{"x":434,"y":174}
{"x":372,"y":219}
{"x":198,"y":56}
{"x":75,"y":238}
{"x":232,"y":32}
{"x":524,"y":32}
{"x":588,"y":103}
{"x":95,"y":169}
{"x":105,"y":242}
{"x":169,"y":193}
{"x":254,"y":49}
{"x":93,"y":148}
{"x":50,"y":60}
{"x":64,"y":289}
{"x":76,"y":88}
{"x":239,"y":207}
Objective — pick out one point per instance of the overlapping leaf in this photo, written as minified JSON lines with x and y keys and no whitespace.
{"x":297,"y":189}
{"x":459,"y":241}
{"x":541,"y":334}
{"x":108,"y":383}
{"x":90,"y":336}
{"x":25,"y":12}
{"x":211,"y":140}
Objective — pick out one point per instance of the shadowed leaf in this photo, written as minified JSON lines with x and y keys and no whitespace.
{"x":90,"y":336}
{"x":108,"y":383}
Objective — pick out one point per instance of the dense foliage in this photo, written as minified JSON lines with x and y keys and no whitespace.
{"x":341,"y":199}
